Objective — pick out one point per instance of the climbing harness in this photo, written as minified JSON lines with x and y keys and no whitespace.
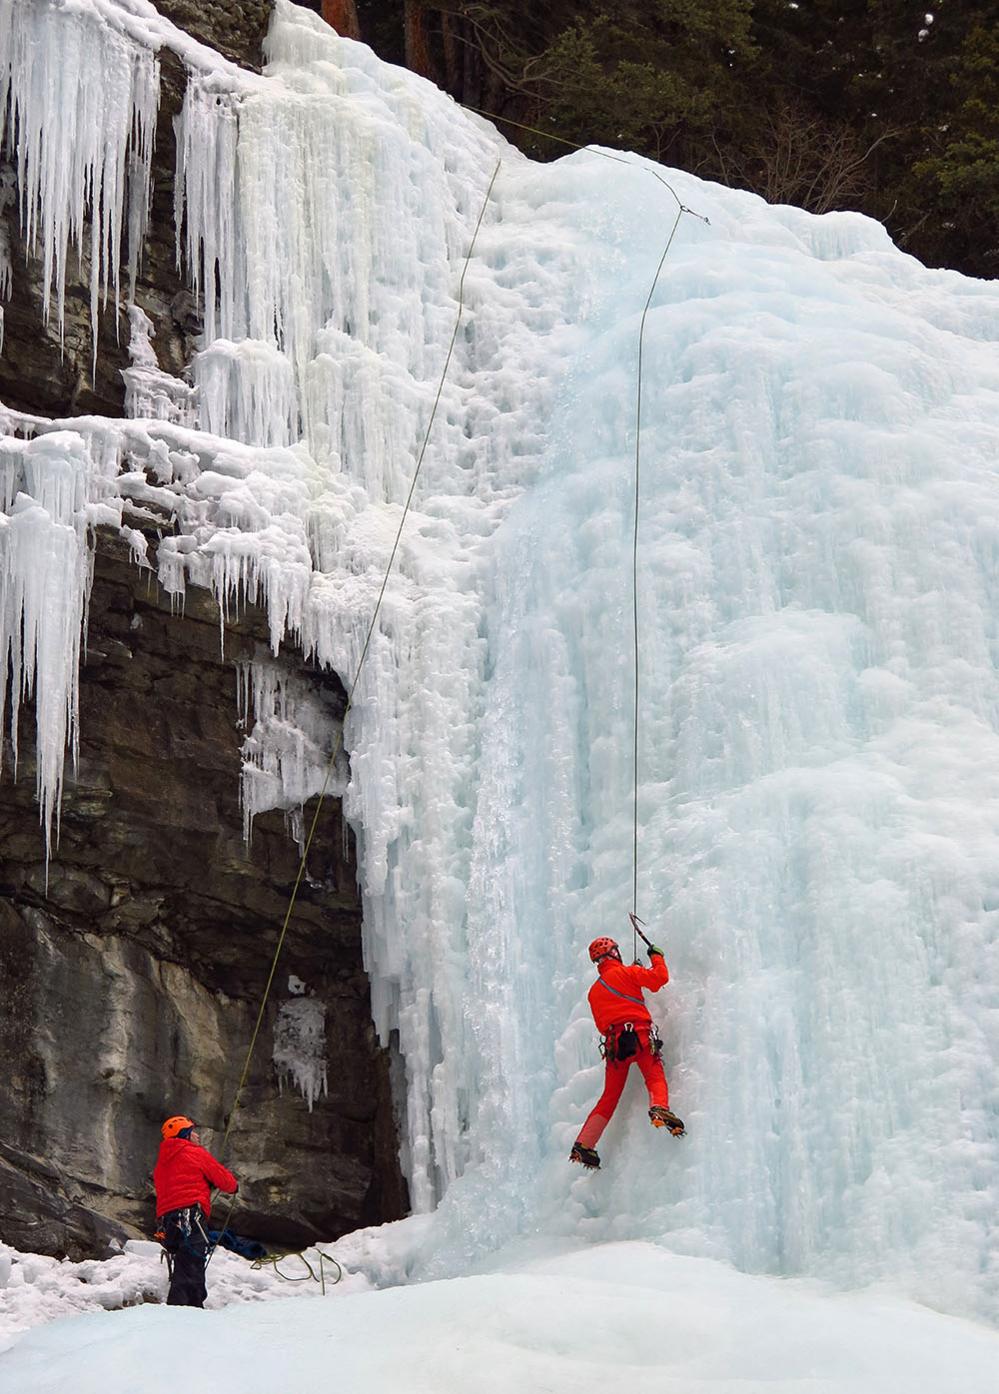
{"x":188,"y":1217}
{"x":303,"y":861}
{"x":619,"y":1042}
{"x":622,"y":1042}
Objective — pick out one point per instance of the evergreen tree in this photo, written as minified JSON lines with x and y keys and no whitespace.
{"x":877,"y":105}
{"x":957,"y":182}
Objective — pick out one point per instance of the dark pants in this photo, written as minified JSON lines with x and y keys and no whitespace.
{"x":186,"y":1241}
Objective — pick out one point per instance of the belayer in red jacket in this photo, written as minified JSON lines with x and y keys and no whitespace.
{"x":625,"y":1024}
{"x":183,"y":1174}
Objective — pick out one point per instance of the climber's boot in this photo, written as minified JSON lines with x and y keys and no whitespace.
{"x":662,"y":1118}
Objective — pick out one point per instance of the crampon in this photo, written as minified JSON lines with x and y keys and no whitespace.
{"x":586,"y":1156}
{"x":662,"y":1118}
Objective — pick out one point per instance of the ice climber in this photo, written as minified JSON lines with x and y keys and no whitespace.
{"x":183,"y":1173}
{"x":625,"y":1024}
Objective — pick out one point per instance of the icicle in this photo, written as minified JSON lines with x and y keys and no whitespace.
{"x":79,"y":99}
{"x":45,"y":579}
{"x":209,"y":233}
{"x":7,"y":200}
{"x":246,"y":391}
{"x":300,"y":1045}
{"x":312,"y":221}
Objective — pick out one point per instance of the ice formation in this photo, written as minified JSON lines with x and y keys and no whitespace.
{"x":289,"y":747}
{"x":300,"y":1046}
{"x":246,"y":390}
{"x":36,"y":1289}
{"x":151,"y":394}
{"x":53,"y":489}
{"x":818,"y":574}
{"x":82,"y":147}
{"x":7,"y":197}
{"x":543,"y":1319}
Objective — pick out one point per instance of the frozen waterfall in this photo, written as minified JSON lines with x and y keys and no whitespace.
{"x":819,"y":588}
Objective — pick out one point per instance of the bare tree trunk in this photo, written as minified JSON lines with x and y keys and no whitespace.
{"x":452,"y":56}
{"x":471,"y":77}
{"x":418,"y":58}
{"x":341,"y":15}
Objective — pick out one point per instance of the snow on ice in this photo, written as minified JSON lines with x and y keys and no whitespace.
{"x":818,"y":580}
{"x":149,"y":392}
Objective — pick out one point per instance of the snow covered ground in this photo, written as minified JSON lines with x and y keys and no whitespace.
{"x":545,"y":1321}
{"x":35,"y":1288}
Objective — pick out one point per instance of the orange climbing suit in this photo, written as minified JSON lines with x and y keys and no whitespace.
{"x":615,"y":999}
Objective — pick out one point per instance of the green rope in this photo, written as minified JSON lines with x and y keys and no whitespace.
{"x":681,"y":210}
{"x":310,"y":1275}
{"x":353,"y":686}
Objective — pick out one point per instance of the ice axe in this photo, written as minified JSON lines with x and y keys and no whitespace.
{"x":635,"y":922}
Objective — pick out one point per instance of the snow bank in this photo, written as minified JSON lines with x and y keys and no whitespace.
{"x":35,"y":1289}
{"x":625,"y":1314}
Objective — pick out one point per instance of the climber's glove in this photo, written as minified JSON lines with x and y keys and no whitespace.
{"x":654,"y":949}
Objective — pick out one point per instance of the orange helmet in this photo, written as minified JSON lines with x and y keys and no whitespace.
{"x":603,"y":946}
{"x":173,"y":1127}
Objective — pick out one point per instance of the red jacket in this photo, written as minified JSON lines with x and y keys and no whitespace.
{"x":611,"y":1009}
{"x":182,"y":1175}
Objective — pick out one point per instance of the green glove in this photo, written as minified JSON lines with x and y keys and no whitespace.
{"x":653,"y":949}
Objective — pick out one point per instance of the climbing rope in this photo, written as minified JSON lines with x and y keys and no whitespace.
{"x":681,"y":209}
{"x":634,"y":569}
{"x":272,"y":1261}
{"x":593,"y":150}
{"x":350,"y":694}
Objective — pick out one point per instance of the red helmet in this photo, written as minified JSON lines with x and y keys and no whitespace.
{"x":603,"y":946}
{"x":173,"y":1127}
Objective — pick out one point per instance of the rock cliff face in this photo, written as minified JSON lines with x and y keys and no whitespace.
{"x":133,"y":973}
{"x":133,"y":965}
